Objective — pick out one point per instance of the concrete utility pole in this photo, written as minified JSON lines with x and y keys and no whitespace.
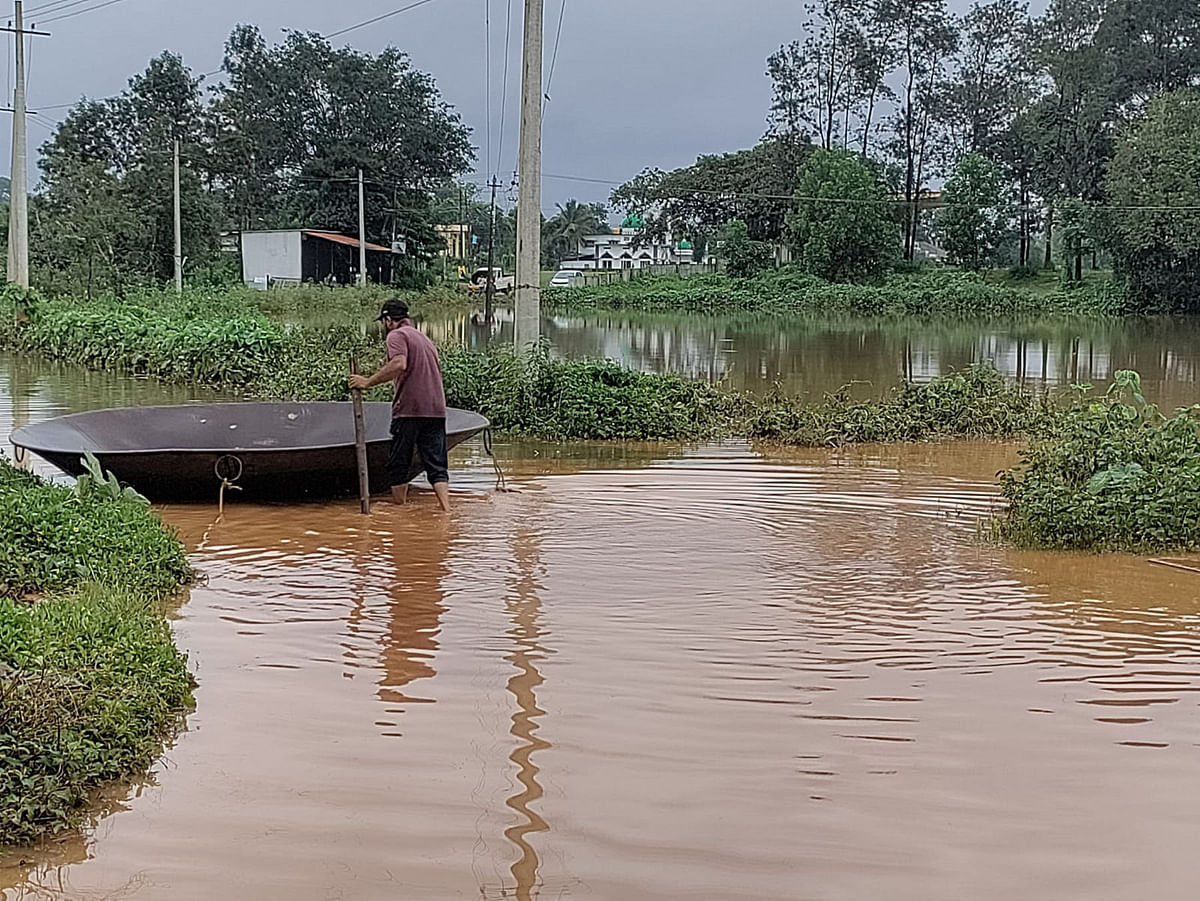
{"x":362,"y":231}
{"x":529,"y":199}
{"x":178,"y":227}
{"x":489,"y":292}
{"x":18,"y":204}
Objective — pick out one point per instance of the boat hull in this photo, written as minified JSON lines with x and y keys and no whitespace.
{"x":276,"y":451}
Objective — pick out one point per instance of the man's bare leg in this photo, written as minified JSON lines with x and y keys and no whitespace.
{"x":400,"y":494}
{"x":442,"y":490}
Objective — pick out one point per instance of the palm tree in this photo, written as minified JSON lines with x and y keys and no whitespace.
{"x":574,"y":220}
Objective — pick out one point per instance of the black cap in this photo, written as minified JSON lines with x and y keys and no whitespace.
{"x":393,"y":309}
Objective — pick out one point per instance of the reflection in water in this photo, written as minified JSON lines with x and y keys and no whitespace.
{"x":524,"y":606}
{"x":806,"y":355}
{"x":404,"y":575}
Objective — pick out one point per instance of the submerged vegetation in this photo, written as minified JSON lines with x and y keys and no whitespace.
{"x":931,"y":293}
{"x":1114,"y":473}
{"x":977,"y":402}
{"x":90,"y":681}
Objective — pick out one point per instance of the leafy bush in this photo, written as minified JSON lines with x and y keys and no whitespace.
{"x":1114,"y":474}
{"x":89,"y":678}
{"x":206,"y":339}
{"x":561,"y":399}
{"x":744,"y":258}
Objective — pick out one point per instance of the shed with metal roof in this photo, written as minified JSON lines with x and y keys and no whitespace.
{"x":302,"y":255}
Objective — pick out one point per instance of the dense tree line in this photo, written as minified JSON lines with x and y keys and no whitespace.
{"x":277,"y":143}
{"x":1036,"y":129}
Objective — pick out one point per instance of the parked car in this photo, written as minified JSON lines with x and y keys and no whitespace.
{"x":567,"y":278}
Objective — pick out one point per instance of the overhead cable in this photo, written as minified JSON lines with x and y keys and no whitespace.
{"x":79,"y":12}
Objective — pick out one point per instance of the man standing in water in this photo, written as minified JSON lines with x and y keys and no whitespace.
{"x":418,"y":406}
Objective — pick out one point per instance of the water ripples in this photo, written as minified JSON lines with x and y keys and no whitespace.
{"x":723,"y":673}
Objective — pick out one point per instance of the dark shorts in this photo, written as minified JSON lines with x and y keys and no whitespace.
{"x":418,"y":444}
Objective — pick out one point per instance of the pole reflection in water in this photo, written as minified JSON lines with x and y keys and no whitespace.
{"x":524,"y":606}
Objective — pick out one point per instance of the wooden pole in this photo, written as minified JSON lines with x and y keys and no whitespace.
{"x":360,"y":443}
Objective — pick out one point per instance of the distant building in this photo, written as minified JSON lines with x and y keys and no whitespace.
{"x":295,"y":256}
{"x":457,"y":240}
{"x":627,"y":248}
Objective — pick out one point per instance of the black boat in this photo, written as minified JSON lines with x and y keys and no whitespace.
{"x":270,"y":451}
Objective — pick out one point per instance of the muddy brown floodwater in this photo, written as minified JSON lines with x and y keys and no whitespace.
{"x":665,"y":673}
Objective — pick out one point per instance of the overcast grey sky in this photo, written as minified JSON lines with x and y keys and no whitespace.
{"x":638,"y":82}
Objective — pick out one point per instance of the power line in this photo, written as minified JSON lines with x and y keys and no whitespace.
{"x":487,"y":77}
{"x":504,"y":86}
{"x":562,"y":11}
{"x":872,"y":201}
{"x":80,"y":12}
{"x":394,"y":12}
{"x":55,"y":7}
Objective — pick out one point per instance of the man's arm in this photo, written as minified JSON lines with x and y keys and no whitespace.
{"x":392,"y":369}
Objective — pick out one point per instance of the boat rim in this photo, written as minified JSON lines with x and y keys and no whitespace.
{"x":14,"y":436}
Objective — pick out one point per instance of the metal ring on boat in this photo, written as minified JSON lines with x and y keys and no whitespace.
{"x":225,"y":475}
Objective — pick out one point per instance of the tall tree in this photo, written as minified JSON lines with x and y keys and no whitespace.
{"x":1073,"y":125}
{"x":927,"y":40}
{"x":993,"y":76}
{"x":696,"y":202}
{"x":975,"y":221}
{"x":1152,"y":221}
{"x":294,"y":123}
{"x":876,"y":54}
{"x":119,"y":153}
{"x":1154,"y":45}
{"x":842,"y":227}
{"x":813,"y":78}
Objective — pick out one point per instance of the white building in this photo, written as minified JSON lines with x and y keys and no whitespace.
{"x":621,"y":249}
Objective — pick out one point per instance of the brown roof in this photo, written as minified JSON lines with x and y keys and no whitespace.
{"x":342,"y":239}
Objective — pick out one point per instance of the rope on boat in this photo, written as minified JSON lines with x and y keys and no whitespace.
{"x":228,"y":478}
{"x":501,"y":482}
{"x":19,"y":454}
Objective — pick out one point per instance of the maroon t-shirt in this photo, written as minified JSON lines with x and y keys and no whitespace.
{"x":419,"y":391}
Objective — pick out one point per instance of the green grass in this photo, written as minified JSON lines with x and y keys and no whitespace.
{"x":90,"y":680}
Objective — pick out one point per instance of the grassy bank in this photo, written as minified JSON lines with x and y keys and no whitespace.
{"x":932,"y":293}
{"x":228,"y":341}
{"x":90,"y":681}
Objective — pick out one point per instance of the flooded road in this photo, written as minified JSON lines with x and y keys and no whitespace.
{"x":664,"y":672}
